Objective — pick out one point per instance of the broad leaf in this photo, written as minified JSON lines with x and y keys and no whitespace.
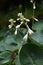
{"x":31,"y":54}
{"x":5,"y":57}
{"x":11,"y":41}
{"x":37,"y":38}
{"x":38,"y":25}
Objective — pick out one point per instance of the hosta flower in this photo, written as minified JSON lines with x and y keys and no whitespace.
{"x":18,"y":26}
{"x":35,"y":19}
{"x":21,"y":17}
{"x":11,"y":23}
{"x":14,"y":21}
{"x":15,"y":32}
{"x":34,"y":7}
{"x":21,"y":23}
{"x":10,"y":26}
{"x":11,"y":20}
{"x":18,"y":19}
{"x":30,"y":31}
{"x":26,"y":19}
{"x":25,"y":37}
{"x":19,"y":14}
{"x":31,"y":1}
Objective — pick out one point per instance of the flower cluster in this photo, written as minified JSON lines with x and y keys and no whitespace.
{"x":24,"y":21}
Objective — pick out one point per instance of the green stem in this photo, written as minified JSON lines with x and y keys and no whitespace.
{"x":33,"y":14}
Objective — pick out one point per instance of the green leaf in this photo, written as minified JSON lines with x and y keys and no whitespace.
{"x":2,"y":49}
{"x":11,"y":41}
{"x":31,"y":54}
{"x":37,"y":38}
{"x":5,"y":57}
{"x":38,"y":25}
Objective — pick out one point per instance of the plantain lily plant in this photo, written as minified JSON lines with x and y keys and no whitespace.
{"x":21,"y":45}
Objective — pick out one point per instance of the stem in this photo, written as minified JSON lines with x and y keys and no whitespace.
{"x":33,"y":14}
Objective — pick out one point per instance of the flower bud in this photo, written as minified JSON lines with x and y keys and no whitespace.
{"x":30,"y":31}
{"x":31,"y":1}
{"x":25,"y":37}
{"x":18,"y":26}
{"x":19,"y":14}
{"x":15,"y":32}
{"x":10,"y":26}
{"x":34,"y":7}
{"x":35,"y":19}
{"x":11,"y":20}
